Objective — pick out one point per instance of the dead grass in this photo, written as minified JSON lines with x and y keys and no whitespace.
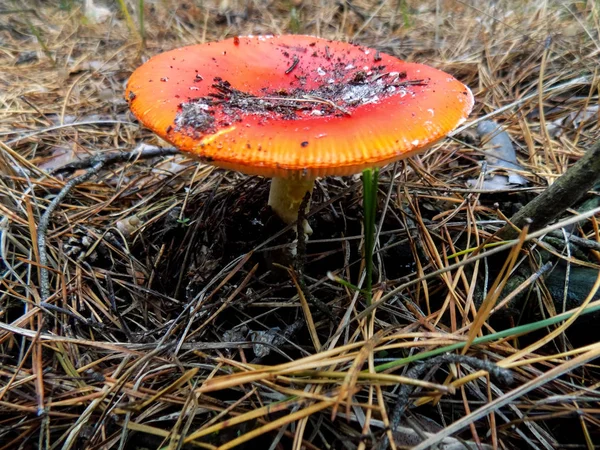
{"x":167,"y":326}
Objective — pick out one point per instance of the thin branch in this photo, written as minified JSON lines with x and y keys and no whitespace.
{"x":142,"y":152}
{"x":45,"y":221}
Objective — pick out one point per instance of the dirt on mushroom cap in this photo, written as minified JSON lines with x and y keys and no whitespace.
{"x":197,"y":116}
{"x":278,"y":105}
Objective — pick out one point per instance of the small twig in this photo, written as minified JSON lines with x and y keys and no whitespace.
{"x":403,"y":399}
{"x":45,"y":221}
{"x":293,"y":66}
{"x":580,"y":242}
{"x":47,"y":307}
{"x":410,"y":83}
{"x":143,"y":152}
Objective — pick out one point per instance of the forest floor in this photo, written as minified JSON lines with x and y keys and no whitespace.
{"x":140,"y":305}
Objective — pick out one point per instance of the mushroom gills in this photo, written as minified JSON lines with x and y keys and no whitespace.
{"x":286,"y":195}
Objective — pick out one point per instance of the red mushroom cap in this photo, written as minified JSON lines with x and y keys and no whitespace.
{"x":278,"y":105}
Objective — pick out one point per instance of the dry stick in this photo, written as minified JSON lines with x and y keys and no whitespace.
{"x":562,"y":194}
{"x":403,"y":398}
{"x":142,"y":152}
{"x":587,"y":244}
{"x":94,"y":165}
{"x":45,"y":221}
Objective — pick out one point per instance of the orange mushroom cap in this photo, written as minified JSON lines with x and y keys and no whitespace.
{"x":279,"y":105}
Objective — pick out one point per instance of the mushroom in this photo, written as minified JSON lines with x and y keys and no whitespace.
{"x":294,"y":108}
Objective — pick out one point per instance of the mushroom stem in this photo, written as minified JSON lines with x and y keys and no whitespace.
{"x":286,"y":196}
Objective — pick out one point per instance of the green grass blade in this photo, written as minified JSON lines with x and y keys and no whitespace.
{"x":370,"y":178}
{"x":141,"y":22}
{"x":125,"y":12}
{"x":510,"y":332}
